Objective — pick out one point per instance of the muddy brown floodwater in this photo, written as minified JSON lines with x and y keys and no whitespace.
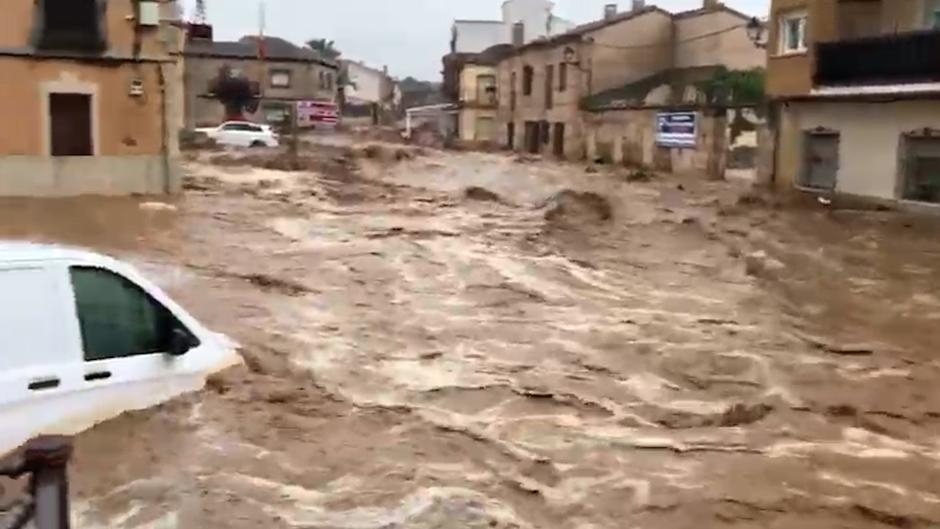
{"x":466,"y":340}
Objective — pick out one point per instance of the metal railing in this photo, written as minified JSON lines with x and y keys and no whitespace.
{"x":46,"y":503}
{"x":900,"y":58}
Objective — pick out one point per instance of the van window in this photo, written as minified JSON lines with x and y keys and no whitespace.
{"x":31,"y":319}
{"x":117,"y":318}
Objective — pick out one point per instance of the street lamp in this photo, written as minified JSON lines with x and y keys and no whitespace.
{"x":755,"y":32}
{"x":571,"y":57}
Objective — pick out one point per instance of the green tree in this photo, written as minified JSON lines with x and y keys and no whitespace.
{"x":735,"y":87}
{"x":326,"y":47}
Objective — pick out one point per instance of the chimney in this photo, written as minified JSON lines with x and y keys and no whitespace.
{"x":711,"y":5}
{"x":638,"y":5}
{"x":610,"y":11}
{"x":518,"y":34}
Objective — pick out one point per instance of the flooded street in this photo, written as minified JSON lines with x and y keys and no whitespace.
{"x":440,"y":339}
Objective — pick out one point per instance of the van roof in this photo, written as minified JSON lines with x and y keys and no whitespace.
{"x":32,"y":251}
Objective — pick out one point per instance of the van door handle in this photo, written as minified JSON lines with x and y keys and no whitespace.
{"x":43,"y":384}
{"x":98,"y":375}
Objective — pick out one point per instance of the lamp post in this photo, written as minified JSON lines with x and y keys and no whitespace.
{"x":571,"y":58}
{"x":755,"y":31}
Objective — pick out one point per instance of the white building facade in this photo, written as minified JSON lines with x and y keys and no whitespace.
{"x":535,"y":17}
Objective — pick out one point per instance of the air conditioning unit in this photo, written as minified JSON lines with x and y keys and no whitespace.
{"x":148,"y":13}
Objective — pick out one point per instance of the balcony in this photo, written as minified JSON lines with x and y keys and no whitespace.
{"x":901,"y":58}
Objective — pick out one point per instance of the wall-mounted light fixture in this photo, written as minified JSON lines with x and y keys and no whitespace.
{"x":571,"y":58}
{"x":756,"y":32}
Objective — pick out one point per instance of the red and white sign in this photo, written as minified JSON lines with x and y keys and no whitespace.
{"x":312,"y":113}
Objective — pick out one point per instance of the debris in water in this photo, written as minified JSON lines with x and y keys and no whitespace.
{"x":759,"y":264}
{"x":157,"y":206}
{"x":639,"y":175}
{"x":741,"y":414}
{"x":283,"y":286}
{"x":578,"y":207}
{"x":482,"y":194}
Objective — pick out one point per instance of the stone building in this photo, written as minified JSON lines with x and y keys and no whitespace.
{"x":287,"y":75}
{"x":470,"y":84}
{"x":854,"y":89}
{"x":598,"y":90}
{"x":91,"y":97}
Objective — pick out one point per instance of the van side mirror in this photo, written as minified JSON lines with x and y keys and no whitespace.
{"x":180,"y":342}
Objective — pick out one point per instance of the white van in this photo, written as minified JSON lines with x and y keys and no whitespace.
{"x":84,"y":338}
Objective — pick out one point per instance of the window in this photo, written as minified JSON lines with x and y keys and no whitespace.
{"x":792,"y":32}
{"x":820,"y":159}
{"x":280,"y":79}
{"x":70,"y":25}
{"x":326,"y":80}
{"x":562,"y":77}
{"x":527,"y":75}
{"x":486,"y":89}
{"x":549,"y":86}
{"x":512,"y":91}
{"x":922,"y":168}
{"x":70,"y":125}
{"x":932,"y":14}
{"x":485,"y":129}
{"x":241,"y":127}
{"x":118,"y":319}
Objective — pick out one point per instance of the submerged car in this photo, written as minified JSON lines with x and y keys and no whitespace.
{"x":86,"y":338}
{"x":242,"y":134}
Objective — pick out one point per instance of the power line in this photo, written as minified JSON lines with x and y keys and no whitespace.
{"x":669,"y":43}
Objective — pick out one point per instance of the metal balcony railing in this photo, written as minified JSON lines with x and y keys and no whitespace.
{"x":900,"y":58}
{"x":46,"y":500}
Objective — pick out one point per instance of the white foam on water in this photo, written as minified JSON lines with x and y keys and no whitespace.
{"x":307,"y":508}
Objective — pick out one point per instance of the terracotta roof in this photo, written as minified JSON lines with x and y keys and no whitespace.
{"x":704,"y":11}
{"x":583,"y":29}
{"x":277,"y":49}
{"x":471,"y":21}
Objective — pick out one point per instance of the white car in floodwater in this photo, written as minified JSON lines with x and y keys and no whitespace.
{"x":86,"y":338}
{"x":242,"y":134}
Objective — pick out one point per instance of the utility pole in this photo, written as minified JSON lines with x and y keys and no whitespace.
{"x":201,"y":12}
{"x":262,"y":51}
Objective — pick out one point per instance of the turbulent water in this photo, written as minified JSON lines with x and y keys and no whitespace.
{"x":468,"y":340}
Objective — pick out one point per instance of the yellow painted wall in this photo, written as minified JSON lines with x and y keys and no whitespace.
{"x":127,"y":125}
{"x":16,"y":28}
{"x":791,"y":75}
{"x":469,"y":131}
{"x":469,"y":77}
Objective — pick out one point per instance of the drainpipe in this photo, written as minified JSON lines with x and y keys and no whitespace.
{"x":164,"y":144}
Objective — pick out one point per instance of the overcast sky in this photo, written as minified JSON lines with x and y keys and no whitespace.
{"x":410,"y":36}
